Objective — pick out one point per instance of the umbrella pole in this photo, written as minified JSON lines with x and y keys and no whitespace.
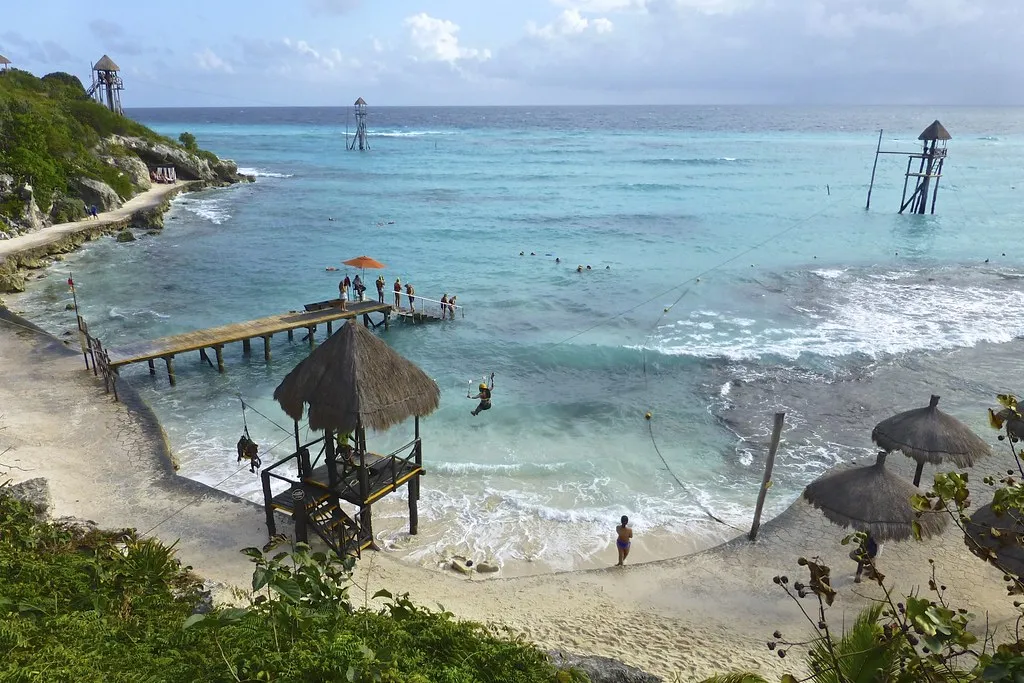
{"x":917,"y":474}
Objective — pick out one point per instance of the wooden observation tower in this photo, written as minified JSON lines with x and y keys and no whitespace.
{"x":926,"y":176}
{"x":360,"y":137}
{"x":351,"y":382}
{"x":4,"y":63}
{"x":107,"y":84}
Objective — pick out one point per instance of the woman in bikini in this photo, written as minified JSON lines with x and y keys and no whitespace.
{"x":625,"y":536}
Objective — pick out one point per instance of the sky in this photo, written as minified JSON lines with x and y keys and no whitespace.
{"x":531,"y":52}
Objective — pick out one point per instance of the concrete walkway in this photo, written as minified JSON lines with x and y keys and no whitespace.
{"x":146,"y":200}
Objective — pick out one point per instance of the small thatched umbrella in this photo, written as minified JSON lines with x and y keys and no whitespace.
{"x":999,"y":538}
{"x":872,"y":499}
{"x":353,"y":381}
{"x":930,"y":435}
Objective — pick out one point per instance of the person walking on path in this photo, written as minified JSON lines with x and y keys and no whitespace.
{"x":380,"y":289}
{"x":867,"y":559}
{"x":398,"y":294}
{"x":624,"y":540}
{"x":411,"y":293}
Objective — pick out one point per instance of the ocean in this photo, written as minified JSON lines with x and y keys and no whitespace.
{"x":730,"y":271}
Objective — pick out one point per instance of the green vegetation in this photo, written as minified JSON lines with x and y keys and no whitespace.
{"x":921,"y":637}
{"x":48,"y":129}
{"x":113,"y":607}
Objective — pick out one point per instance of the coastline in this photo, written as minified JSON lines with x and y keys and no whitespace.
{"x":691,"y":616}
{"x":36,"y":249}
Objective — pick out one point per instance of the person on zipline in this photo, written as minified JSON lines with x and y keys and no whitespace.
{"x":484,"y":396}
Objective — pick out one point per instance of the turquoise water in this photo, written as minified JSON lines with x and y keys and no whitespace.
{"x":802,"y":297}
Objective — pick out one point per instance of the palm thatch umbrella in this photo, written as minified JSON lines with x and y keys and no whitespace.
{"x":872,"y":499}
{"x":930,"y":435}
{"x":353,"y":381}
{"x":996,"y":537}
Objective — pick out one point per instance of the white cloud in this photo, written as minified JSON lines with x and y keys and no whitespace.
{"x":208,"y":60}
{"x":328,"y":59}
{"x":656,"y":6}
{"x":436,"y":40}
{"x":569,"y":23}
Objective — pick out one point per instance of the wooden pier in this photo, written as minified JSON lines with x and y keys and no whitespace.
{"x":216,"y":338}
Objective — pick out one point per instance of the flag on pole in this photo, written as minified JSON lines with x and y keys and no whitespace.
{"x":71,"y":284}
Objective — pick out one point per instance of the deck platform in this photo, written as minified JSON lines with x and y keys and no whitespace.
{"x":381,"y":482}
{"x":216,"y":337}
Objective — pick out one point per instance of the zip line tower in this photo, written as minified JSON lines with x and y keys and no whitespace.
{"x":360,"y":136}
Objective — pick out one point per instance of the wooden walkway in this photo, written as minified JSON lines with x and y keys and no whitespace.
{"x":216,"y":337}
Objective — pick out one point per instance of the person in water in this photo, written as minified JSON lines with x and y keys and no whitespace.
{"x":625,"y":538}
{"x":484,"y":396}
{"x":398,"y":294}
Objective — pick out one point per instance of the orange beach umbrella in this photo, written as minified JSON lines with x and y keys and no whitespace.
{"x":364,"y":262}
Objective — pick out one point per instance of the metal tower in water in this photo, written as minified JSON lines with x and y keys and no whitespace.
{"x":107,"y":84}
{"x":360,"y":137}
{"x":929,"y":169}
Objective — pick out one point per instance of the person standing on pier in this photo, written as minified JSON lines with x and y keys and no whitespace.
{"x":398,"y":294}
{"x":343,"y":293}
{"x":411,"y":293}
{"x":380,"y":289}
{"x":444,"y":305}
{"x":451,"y":306}
{"x":357,"y":285}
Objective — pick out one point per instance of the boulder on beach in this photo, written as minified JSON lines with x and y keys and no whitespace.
{"x":601,"y":669}
{"x":487,"y":567}
{"x":126,"y":235}
{"x":96,"y":193}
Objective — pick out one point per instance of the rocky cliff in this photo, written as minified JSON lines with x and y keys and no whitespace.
{"x":61,"y":153}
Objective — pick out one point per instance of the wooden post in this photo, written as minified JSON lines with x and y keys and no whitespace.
{"x":170,"y":369}
{"x":299,"y":514}
{"x":387,"y":318}
{"x":152,"y":366}
{"x":266,"y":348}
{"x":330,"y":327}
{"x":873,"y":167}
{"x":906,"y":180}
{"x":298,"y":445}
{"x":938,"y":176}
{"x":291,"y":335}
{"x":219,"y":350}
{"x":366,"y":320}
{"x":414,"y":494}
{"x":780,"y":419}
{"x":113,"y":374}
{"x":268,"y":496}
{"x":205,"y":356}
{"x":312,"y":339}
{"x":246,"y":347}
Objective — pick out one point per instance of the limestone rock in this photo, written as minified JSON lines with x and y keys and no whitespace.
{"x":487,"y":568}
{"x":12,"y":282}
{"x":601,"y":669}
{"x":134,"y":167}
{"x":98,"y":193}
{"x":35,"y":492}
{"x":187,"y":166}
{"x":77,"y":527}
{"x":126,"y":235}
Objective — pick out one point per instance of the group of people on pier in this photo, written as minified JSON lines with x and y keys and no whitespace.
{"x":353,"y":289}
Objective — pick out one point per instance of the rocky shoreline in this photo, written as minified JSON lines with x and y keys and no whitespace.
{"x":17,"y":263}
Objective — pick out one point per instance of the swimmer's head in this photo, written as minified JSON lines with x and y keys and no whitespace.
{"x":624,"y":520}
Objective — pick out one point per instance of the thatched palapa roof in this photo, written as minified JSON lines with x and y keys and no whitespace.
{"x":106,"y":64}
{"x":360,"y":102}
{"x":872,"y":499}
{"x":999,"y":536}
{"x":4,"y":60}
{"x":353,"y":379}
{"x":930,"y":435}
{"x":936,"y":131}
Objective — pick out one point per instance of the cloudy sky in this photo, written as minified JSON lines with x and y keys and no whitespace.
{"x":398,"y":52}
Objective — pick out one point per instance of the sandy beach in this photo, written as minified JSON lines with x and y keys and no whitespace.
{"x":687,"y":617}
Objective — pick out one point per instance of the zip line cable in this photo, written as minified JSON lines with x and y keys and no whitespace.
{"x":667,"y":309}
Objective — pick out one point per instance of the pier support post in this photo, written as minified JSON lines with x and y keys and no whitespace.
{"x":366,"y":320}
{"x":205,"y":356}
{"x":219,"y":350}
{"x":414,"y":494}
{"x":152,"y":366}
{"x":780,"y":419}
{"x":312,"y":338}
{"x":291,"y":335}
{"x":330,"y":327}
{"x":387,"y":318}
{"x":266,"y":348}
{"x":170,"y":369}
{"x":246,"y":346}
